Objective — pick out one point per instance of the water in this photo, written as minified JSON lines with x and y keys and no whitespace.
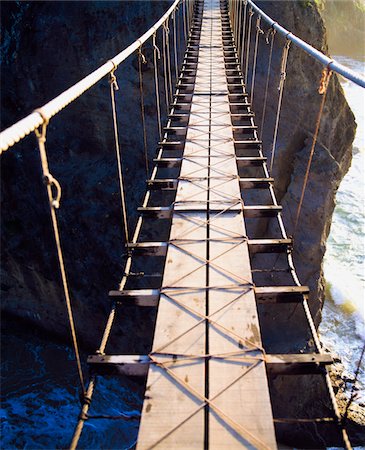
{"x":343,"y":325}
{"x":40,"y":397}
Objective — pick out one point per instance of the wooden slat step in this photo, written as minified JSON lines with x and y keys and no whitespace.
{"x":281,"y":294}
{"x":255,"y":183}
{"x":254,"y":245}
{"x":156,"y":212}
{"x":297,"y":364}
{"x":245,"y":161}
{"x":269,"y":245}
{"x":261,"y":211}
{"x":172,"y":145}
{"x":170,"y":184}
{"x":251,"y":212}
{"x":167,"y":184}
{"x":243,"y":115}
{"x":168,"y":163}
{"x":149,"y":248}
{"x":244,"y":128}
{"x":129,"y":365}
{"x":181,"y":106}
{"x":138,"y":297}
{"x":178,"y":131}
{"x":276,"y":364}
{"x":244,"y":144}
{"x":242,"y":161}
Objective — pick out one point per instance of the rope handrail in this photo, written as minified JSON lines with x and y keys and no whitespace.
{"x":332,"y":64}
{"x":23,"y":127}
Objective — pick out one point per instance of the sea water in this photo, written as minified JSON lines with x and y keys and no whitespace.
{"x":343,"y":325}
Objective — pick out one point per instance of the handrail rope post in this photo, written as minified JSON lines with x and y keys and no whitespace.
{"x":54,"y":203}
{"x":142,"y":60}
{"x":164,"y":57}
{"x":175,"y":48}
{"x":114,"y":87}
{"x":156,"y":57}
{"x":243,"y":44}
{"x":248,"y":43}
{"x":271,"y":32}
{"x":253,"y":76}
{"x":168,"y":58}
{"x":284,"y":60}
{"x":326,"y":76}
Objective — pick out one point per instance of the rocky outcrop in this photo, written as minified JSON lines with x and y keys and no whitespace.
{"x":47,"y":47}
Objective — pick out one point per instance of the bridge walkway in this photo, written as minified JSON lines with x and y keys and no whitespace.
{"x":207,"y":386}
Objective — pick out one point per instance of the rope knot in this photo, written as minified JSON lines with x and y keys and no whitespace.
{"x":141,"y":55}
{"x":258,"y":28}
{"x":325,"y":79}
{"x":155,"y":46}
{"x":51,"y":181}
{"x":113,"y":81}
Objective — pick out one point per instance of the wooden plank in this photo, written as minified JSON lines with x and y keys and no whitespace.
{"x":274,"y":294}
{"x":174,"y":415}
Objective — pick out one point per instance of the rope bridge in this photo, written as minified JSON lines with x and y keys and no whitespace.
{"x":208,"y":371}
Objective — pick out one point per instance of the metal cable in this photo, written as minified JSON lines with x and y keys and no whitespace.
{"x":54,"y":203}
{"x":142,"y":59}
{"x":258,"y":32}
{"x":114,"y":87}
{"x":271,"y":32}
{"x":326,"y":76}
{"x":284,"y":60}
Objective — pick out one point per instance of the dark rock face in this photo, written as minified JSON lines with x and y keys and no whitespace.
{"x":332,"y":156}
{"x":47,"y":47}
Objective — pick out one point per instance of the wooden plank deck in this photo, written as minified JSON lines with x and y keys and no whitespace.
{"x":207,"y":387}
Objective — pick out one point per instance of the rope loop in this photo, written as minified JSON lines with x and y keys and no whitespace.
{"x":325,"y":79}
{"x":50,"y":180}
{"x":141,"y":55}
{"x":251,"y":12}
{"x":166,"y":26}
{"x":270,"y":33}
{"x":155,"y":45}
{"x":113,"y":80}
{"x":258,"y":28}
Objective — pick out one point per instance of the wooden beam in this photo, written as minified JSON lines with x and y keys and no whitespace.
{"x":138,"y":297}
{"x":281,"y":294}
{"x":276,"y":364}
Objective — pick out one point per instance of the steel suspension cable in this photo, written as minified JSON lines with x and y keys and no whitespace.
{"x":54,"y":204}
{"x":248,"y":43}
{"x":326,"y":76}
{"x":271,"y":33}
{"x":142,"y":60}
{"x":156,"y":57}
{"x":258,"y":32}
{"x":284,"y":60}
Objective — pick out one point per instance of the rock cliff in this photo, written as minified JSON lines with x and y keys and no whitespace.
{"x":48,"y":46}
